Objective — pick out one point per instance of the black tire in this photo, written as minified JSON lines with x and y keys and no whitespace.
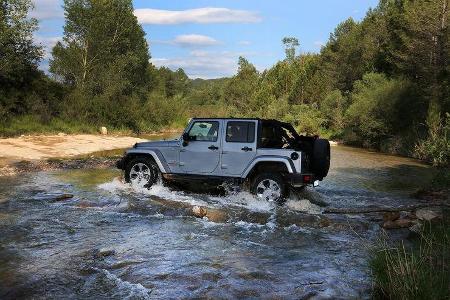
{"x":275,"y":177}
{"x":321,"y":158}
{"x":150,"y":164}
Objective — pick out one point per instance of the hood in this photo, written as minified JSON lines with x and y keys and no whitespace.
{"x":157,"y":144}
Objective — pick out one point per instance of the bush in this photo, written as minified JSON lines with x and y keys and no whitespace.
{"x":436,"y":148}
{"x":374,"y":110}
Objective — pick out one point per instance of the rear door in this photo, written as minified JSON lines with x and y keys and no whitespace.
{"x":239,"y":147}
{"x":201,"y":154}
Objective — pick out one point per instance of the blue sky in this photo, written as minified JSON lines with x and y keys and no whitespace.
{"x":206,"y":37}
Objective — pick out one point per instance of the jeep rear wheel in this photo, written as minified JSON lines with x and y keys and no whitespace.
{"x":269,"y":187}
{"x":142,"y":172}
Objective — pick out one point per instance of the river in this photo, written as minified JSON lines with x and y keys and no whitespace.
{"x":112,"y":242}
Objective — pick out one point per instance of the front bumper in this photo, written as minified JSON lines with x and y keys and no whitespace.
{"x":120,"y":164}
{"x":298,"y":180}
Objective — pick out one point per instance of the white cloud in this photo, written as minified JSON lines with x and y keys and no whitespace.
{"x":198,"y":15}
{"x":202,"y":64}
{"x":244,"y":43}
{"x":47,"y":9}
{"x":190,"y":40}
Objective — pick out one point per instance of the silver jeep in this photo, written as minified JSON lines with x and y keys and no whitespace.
{"x":268,"y":156}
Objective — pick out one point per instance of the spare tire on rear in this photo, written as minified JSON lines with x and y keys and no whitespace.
{"x":321,"y":158}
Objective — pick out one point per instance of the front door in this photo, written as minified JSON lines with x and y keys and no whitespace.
{"x":201,"y":154}
{"x":239,"y":147}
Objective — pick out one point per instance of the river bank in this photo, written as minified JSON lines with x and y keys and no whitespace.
{"x":61,"y":151}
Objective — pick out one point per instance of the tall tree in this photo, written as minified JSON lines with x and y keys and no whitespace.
{"x":101,"y":37}
{"x":242,"y":86}
{"x":424,"y":54}
{"x":290,"y":46}
{"x":104,"y":57}
{"x":19,"y":56}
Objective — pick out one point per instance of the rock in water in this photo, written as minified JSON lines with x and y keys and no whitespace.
{"x":63,"y":197}
{"x":103,"y":130}
{"x":416,"y":228}
{"x":400,"y":223}
{"x":391,"y":216}
{"x":199,"y":211}
{"x":427,"y":214}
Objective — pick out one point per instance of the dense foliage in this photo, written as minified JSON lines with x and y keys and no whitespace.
{"x":382,"y":82}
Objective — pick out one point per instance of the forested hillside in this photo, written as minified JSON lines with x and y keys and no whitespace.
{"x":381,"y":83}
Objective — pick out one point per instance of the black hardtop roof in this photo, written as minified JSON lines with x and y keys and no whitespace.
{"x":257,"y":119}
{"x":251,"y":119}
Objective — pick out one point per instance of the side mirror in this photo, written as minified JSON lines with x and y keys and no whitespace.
{"x":186,"y":139}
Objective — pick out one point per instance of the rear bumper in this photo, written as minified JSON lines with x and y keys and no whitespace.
{"x":298,"y":180}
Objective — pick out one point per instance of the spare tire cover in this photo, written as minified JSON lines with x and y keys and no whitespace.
{"x":321,"y":158}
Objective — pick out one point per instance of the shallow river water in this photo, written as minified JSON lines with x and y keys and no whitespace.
{"x":113,"y":242}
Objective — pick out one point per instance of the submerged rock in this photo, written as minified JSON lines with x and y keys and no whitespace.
{"x":63,"y":197}
{"x":400,"y":223}
{"x":104,"y":252}
{"x":199,"y":211}
{"x":428,"y":214}
{"x":391,"y":216}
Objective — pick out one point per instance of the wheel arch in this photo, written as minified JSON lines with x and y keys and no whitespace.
{"x":268,"y":164}
{"x":153,"y":154}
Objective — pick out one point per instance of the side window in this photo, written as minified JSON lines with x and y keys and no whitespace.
{"x":205,"y":131}
{"x":240,"y":132}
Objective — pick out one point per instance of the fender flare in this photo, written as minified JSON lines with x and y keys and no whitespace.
{"x":270,"y":158}
{"x":155,"y":154}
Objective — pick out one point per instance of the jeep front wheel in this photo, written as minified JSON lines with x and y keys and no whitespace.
{"x":141,"y":172}
{"x":269,"y":187}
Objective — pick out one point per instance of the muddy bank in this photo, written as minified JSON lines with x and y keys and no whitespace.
{"x":52,"y":152}
{"x":20,"y":167}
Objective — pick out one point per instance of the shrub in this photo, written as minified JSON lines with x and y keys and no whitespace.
{"x":374,"y":108}
{"x":436,"y":147}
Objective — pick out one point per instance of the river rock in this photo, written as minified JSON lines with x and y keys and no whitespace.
{"x":103,"y":130}
{"x":199,"y":211}
{"x":400,"y":223}
{"x":391,"y":216}
{"x":104,"y":252}
{"x":416,"y":228}
{"x":427,"y":214}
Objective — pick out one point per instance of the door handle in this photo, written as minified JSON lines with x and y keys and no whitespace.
{"x":212,"y":147}
{"x":246,"y":149}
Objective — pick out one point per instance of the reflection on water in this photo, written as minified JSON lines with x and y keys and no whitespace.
{"x":110,"y":241}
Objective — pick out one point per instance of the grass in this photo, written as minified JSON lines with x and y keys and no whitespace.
{"x":419,"y":271}
{"x":29,"y":124}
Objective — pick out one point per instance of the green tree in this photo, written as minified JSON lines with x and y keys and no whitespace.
{"x":242,"y":86}
{"x":290,"y":46}
{"x":19,"y":56}
{"x":333,"y":107}
{"x":104,"y":56}
{"x":374,"y":108}
{"x":424,"y":54}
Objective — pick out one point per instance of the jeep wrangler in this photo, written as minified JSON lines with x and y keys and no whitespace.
{"x":268,"y":156}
